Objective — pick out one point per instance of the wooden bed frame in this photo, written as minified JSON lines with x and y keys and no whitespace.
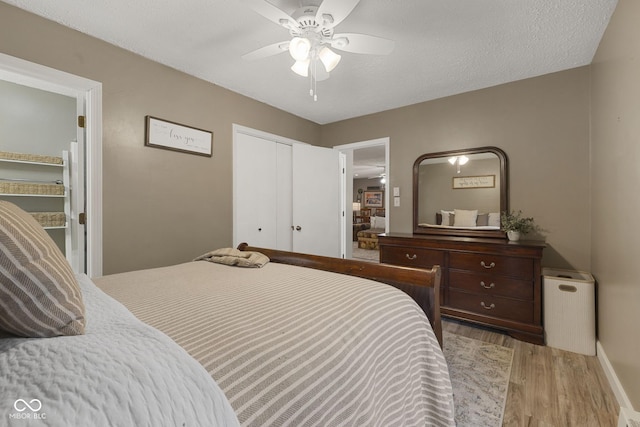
{"x":423,"y":285}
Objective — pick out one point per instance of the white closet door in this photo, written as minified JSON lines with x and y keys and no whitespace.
{"x":255,"y":191}
{"x":317,"y":214}
{"x":284,"y":220}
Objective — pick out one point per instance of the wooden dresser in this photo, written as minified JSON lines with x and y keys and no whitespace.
{"x":488,"y":281}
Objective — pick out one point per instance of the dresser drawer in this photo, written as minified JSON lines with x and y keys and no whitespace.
{"x":492,"y":264}
{"x":488,"y":284}
{"x":493,"y":306}
{"x":411,"y":257}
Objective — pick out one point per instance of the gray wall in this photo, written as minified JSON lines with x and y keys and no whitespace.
{"x":160,"y":207}
{"x":615,"y":180}
{"x":35,"y":121}
{"x":541,"y":123}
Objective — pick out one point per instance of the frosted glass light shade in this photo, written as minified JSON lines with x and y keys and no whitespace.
{"x":299,"y":48}
{"x":301,"y":68}
{"x":329,"y":58}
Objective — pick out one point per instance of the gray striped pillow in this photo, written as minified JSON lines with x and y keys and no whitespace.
{"x":39,"y":293}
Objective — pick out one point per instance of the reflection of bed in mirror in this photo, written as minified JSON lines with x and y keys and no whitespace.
{"x":460,"y":192}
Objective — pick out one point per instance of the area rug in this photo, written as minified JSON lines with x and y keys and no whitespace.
{"x":480,"y":378}
{"x":371,"y":255}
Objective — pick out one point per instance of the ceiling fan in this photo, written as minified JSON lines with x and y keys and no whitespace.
{"x":312,"y":34}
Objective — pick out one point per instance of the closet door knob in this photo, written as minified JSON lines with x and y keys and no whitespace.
{"x":298,"y":228}
{"x":260,"y":229}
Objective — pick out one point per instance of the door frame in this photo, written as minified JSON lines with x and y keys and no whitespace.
{"x":88,"y":94}
{"x":347,"y":150}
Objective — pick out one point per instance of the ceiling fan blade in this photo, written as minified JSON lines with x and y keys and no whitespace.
{"x":272,"y":13}
{"x":337,"y":9}
{"x":362,"y":43}
{"x":263,"y":52}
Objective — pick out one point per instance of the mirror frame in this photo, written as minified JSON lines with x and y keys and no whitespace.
{"x":504,"y":192}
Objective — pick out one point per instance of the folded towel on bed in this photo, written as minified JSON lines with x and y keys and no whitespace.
{"x":231,"y":256}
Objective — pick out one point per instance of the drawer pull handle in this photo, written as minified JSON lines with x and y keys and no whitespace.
{"x":491,"y":285}
{"x":488,"y":307}
{"x":414,"y":256}
{"x":493,"y":264}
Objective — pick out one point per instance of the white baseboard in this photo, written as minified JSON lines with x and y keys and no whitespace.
{"x":614,"y":382}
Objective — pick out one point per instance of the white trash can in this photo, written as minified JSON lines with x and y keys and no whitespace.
{"x":570,"y":310}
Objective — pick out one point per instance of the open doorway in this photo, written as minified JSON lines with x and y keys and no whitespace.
{"x":86,"y":233}
{"x":367,"y":199}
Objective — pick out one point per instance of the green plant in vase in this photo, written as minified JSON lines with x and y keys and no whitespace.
{"x":515,"y":224}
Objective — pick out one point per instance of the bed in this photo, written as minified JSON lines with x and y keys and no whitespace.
{"x":202,"y":343}
{"x":460,"y":219}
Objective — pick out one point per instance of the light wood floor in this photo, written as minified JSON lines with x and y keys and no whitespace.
{"x":550,"y":387}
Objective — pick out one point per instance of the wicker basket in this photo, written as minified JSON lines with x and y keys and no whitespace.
{"x":50,"y":219}
{"x":30,"y":158}
{"x":8,"y":187}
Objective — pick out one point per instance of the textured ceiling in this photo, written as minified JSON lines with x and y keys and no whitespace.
{"x":443,"y":47}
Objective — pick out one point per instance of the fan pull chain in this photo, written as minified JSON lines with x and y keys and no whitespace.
{"x":313,"y":82}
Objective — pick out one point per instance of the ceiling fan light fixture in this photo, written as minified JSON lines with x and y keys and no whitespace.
{"x":329,"y":58}
{"x":299,"y":48}
{"x":301,"y":68}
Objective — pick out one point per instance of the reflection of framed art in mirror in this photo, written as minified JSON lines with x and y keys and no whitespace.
{"x":373,"y":199}
{"x":484,"y":181}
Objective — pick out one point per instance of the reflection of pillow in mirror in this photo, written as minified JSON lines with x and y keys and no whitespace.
{"x":446,"y":217}
{"x":483,"y":219}
{"x":465,"y":218}
{"x":494,"y":219}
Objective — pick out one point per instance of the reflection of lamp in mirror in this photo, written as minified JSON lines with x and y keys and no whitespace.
{"x":455,"y":160}
{"x":356,"y":210}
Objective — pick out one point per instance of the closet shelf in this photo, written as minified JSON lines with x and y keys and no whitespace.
{"x":35,"y":159}
{"x":50,"y":220}
{"x":12,"y":188}
{"x":29,"y":181}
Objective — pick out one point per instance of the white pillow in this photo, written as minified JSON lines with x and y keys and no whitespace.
{"x":494,"y":219}
{"x":379,"y":222}
{"x":465,"y":218}
{"x":446,"y":220}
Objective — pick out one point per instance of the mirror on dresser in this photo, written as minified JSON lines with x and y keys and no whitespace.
{"x":471,"y":182}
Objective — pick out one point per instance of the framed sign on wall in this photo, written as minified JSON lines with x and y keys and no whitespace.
{"x":161,"y":133}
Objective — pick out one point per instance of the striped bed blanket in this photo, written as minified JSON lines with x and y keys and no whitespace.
{"x":293,"y":346}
